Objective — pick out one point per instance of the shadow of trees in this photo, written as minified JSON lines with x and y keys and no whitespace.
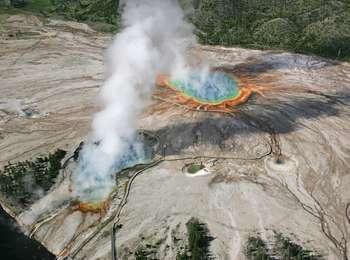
{"x":281,"y":115}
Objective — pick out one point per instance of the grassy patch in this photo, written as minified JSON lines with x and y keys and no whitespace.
{"x":25,"y":182}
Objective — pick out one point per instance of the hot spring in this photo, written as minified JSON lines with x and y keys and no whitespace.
{"x":212,"y":91}
{"x":93,"y":185}
{"x":213,"y":88}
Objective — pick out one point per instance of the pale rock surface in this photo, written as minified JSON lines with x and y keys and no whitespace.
{"x":54,"y":69}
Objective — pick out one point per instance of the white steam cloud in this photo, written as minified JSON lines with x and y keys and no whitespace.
{"x":154,"y":40}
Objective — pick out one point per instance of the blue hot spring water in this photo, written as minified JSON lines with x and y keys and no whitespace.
{"x":94,"y":185}
{"x":214,"y":88}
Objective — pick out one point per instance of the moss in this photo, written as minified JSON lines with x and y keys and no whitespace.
{"x":25,"y":182}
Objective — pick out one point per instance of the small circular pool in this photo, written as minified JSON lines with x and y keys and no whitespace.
{"x":213,"y":88}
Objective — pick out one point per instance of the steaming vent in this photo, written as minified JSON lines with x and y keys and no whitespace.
{"x":155,"y":38}
{"x":140,"y":151}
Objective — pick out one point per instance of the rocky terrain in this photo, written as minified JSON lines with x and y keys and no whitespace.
{"x":279,"y":163}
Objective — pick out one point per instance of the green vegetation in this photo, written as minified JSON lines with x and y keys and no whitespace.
{"x":24,"y":182}
{"x":103,"y":11}
{"x":198,"y":242}
{"x":141,"y":254}
{"x":194,"y":168}
{"x":37,"y":6}
{"x":314,"y":26}
{"x":256,"y":249}
{"x":100,"y":14}
{"x":321,"y":27}
{"x":281,"y":248}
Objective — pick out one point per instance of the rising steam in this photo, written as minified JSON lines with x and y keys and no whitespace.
{"x":153,"y":41}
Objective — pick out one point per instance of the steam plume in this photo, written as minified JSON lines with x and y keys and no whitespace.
{"x":153,"y":41}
